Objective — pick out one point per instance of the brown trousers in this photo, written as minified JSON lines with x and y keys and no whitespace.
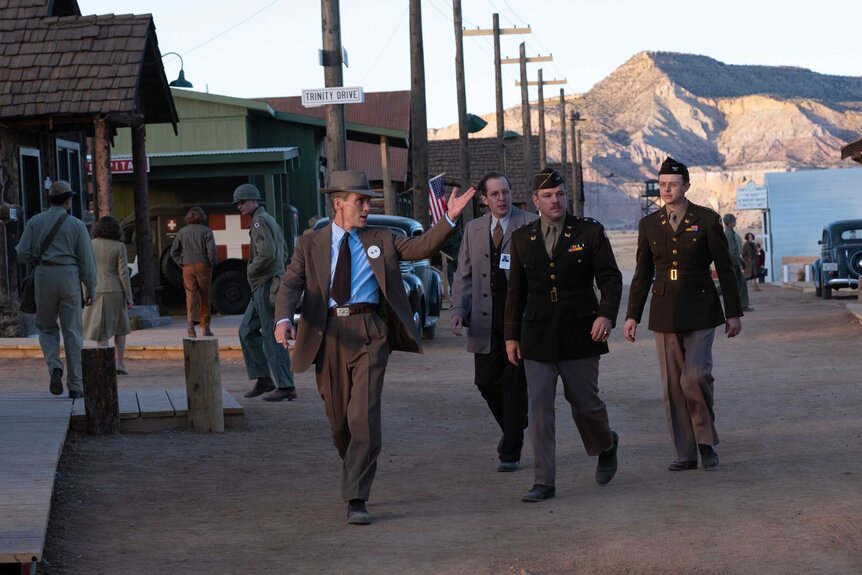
{"x":197,"y":279}
{"x":349,"y":375}
{"x":685,"y":360}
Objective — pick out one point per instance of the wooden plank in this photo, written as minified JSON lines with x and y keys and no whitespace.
{"x":32,"y":432}
{"x":179,"y":399}
{"x":155,"y":403}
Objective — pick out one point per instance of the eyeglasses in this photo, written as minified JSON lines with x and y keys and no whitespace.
{"x":500,"y":194}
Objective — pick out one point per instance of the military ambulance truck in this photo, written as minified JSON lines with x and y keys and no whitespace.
{"x":230,"y":290}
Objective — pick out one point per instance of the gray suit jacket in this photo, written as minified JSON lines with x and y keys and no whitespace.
{"x":473,"y":277}
{"x":306,"y":281}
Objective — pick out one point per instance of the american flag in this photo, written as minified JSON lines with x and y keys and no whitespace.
{"x":436,"y":198}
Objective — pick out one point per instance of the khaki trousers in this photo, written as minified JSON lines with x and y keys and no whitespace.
{"x":349,"y":377}
{"x":58,"y":297}
{"x":197,"y":279}
{"x":685,"y":360}
{"x":580,"y":387}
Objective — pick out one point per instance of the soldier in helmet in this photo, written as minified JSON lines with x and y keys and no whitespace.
{"x":264,"y":358}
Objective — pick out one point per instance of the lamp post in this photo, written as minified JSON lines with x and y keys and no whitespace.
{"x":181,"y":81}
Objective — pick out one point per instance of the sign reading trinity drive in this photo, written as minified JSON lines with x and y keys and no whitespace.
{"x":325,"y":96}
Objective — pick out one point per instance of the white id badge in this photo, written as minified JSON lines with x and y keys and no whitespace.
{"x":505,"y":261}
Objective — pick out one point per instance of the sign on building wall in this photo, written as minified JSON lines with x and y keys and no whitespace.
{"x":751,"y":197}
{"x":118,"y":166}
{"x":326,"y":96}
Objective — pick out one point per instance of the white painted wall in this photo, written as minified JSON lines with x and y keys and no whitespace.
{"x":801,"y":203}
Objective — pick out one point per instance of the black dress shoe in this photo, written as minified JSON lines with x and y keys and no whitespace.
{"x":75,"y":394}
{"x":508,"y":466}
{"x":684,"y":465}
{"x":263,"y":385}
{"x":708,"y":456}
{"x":539,"y":493}
{"x":607,"y":466}
{"x":357,"y":514}
{"x":56,"y":385}
{"x":280,"y":394}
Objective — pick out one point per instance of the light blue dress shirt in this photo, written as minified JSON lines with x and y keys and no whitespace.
{"x":363,"y":285}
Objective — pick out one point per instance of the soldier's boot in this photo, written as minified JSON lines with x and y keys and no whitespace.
{"x":262,"y":385}
{"x":56,"y":385}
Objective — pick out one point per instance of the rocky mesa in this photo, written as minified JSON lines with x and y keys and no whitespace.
{"x":729,"y":123}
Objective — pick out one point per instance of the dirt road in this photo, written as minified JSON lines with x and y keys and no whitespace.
{"x":787,"y":497}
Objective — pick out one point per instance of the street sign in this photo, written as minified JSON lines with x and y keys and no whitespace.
{"x":326,"y":96}
{"x":751,"y":197}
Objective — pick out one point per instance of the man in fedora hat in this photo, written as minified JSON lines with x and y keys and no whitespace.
{"x":61,"y":267}
{"x":676,"y":246}
{"x":555,"y":324}
{"x":264,"y":358}
{"x":354,"y":313}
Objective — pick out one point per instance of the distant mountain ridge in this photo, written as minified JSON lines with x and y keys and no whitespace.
{"x":729,"y":123}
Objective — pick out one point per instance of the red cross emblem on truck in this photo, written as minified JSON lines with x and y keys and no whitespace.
{"x":172,"y":225}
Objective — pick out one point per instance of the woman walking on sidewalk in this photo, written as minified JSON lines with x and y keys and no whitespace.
{"x":107,"y":317}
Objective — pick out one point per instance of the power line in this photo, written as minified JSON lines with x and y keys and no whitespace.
{"x":238,"y":24}
{"x":386,"y":45}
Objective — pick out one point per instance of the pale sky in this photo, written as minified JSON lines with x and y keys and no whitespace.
{"x":260,"y":48}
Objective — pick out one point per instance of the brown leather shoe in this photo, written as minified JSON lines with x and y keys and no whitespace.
{"x":280,"y":394}
{"x":191,"y":332}
{"x":208,"y":332}
{"x":262,"y":385}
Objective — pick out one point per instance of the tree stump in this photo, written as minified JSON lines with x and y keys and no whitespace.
{"x":100,"y":390}
{"x":203,"y":384}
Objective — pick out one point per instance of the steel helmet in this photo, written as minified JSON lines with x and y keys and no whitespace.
{"x":246,"y":192}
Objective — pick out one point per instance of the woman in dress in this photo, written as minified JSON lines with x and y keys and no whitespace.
{"x":108,"y":316}
{"x":749,"y":256}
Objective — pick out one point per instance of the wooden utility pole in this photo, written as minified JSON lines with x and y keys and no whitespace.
{"x":144,"y":241}
{"x":336,"y":136}
{"x":390,"y":198}
{"x":496,"y":31}
{"x":418,"y":117}
{"x":525,"y":121}
{"x":102,"y":167}
{"x":463,"y":135}
{"x":543,"y":150}
{"x":563,"y":143}
{"x":577,"y":166}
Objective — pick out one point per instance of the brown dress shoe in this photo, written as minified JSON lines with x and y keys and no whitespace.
{"x":208,"y":332}
{"x":262,"y":385}
{"x":191,"y":332}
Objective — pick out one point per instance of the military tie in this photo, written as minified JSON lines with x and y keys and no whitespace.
{"x":341,"y":280}
{"x":497,"y":236}
{"x":674,"y":221}
{"x":551,"y":240}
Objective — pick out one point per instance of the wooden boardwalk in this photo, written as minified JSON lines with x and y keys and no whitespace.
{"x":33,"y":430}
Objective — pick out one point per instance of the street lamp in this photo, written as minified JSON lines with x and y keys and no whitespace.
{"x":181,"y":81}
{"x":475,"y":123}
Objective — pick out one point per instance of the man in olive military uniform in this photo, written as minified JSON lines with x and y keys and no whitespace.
{"x":555,"y":324}
{"x":676,"y":246}
{"x":64,"y":265}
{"x":264,"y":358}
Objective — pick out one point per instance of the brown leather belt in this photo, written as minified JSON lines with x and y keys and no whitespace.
{"x":348,"y":310}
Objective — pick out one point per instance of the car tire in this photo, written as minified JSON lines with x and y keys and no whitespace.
{"x":825,"y":290}
{"x":172,"y":274}
{"x":818,"y":291}
{"x":231,"y":292}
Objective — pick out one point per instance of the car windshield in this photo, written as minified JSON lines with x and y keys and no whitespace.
{"x":852,"y":234}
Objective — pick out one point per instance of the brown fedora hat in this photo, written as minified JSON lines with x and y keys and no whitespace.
{"x":350,"y":181}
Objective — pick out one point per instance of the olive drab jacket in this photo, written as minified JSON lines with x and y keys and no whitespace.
{"x":684,"y":296}
{"x":551,"y":304}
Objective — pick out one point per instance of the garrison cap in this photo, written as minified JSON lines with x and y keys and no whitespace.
{"x":547,"y":178}
{"x":672,"y":167}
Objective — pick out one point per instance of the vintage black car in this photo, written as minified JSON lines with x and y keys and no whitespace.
{"x":840,"y":260}
{"x":421,"y":281}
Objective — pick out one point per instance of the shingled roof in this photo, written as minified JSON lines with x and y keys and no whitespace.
{"x":444,"y":157}
{"x":62,"y":68}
